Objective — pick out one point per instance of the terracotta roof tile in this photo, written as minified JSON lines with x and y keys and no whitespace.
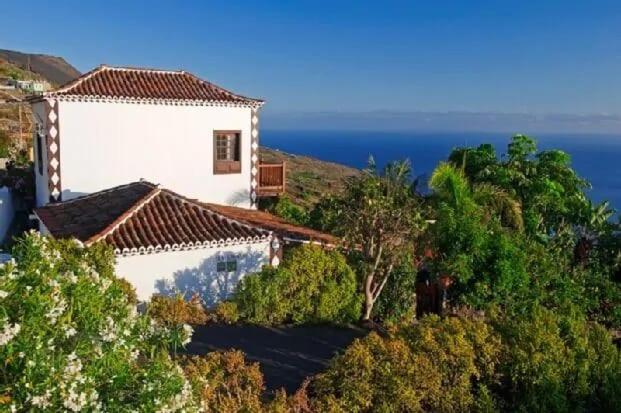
{"x":148,"y":84}
{"x":140,"y":217}
{"x":275,"y":224}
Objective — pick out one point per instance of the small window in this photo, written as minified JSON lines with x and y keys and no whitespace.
{"x":39,"y":150}
{"x":227,"y":152}
{"x":228,"y":264}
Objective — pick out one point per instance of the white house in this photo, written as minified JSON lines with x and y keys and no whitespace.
{"x":116,"y":125}
{"x":98,"y":136}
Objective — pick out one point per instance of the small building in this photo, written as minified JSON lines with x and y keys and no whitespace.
{"x":166,"y":243}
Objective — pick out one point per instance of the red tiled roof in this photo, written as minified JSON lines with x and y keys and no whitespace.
{"x":275,"y":224}
{"x":147,"y":84}
{"x":141,"y":217}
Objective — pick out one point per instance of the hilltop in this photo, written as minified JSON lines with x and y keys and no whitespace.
{"x":54,"y":69}
{"x":15,"y":116}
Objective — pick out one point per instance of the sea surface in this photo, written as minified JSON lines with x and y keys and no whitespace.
{"x":595,"y":157}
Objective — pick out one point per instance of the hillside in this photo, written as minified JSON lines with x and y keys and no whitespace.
{"x":308,"y":179}
{"x":15,"y":116}
{"x":54,"y":69}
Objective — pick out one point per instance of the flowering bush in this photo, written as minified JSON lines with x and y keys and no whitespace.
{"x":70,"y":339}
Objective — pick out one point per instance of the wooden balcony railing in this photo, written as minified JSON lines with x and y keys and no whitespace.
{"x":271,"y":179}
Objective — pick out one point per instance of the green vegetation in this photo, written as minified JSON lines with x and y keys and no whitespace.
{"x":70,"y":338}
{"x":534,"y":270}
{"x":5,"y":144}
{"x":535,"y":362}
{"x":312,"y":285}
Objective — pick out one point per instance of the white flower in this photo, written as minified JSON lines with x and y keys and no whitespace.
{"x":188,"y":331}
{"x":42,"y":401}
{"x":72,"y":277}
{"x":105,"y":283}
{"x":3,"y":294}
{"x":109,"y":331}
{"x":8,"y":332}
{"x":70,"y":332}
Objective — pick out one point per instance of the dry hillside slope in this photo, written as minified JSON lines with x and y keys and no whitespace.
{"x":308,"y":179}
{"x":52,"y":68}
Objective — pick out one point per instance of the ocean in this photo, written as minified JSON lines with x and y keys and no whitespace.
{"x":595,"y":157}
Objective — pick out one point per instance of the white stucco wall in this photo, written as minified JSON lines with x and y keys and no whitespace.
{"x":191,"y":271}
{"x":7,"y":211}
{"x":107,"y":144}
{"x":42,"y":191}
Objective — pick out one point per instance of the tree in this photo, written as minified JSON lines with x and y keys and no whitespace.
{"x":379,"y":220}
{"x":550,"y":192}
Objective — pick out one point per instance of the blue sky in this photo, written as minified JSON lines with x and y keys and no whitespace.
{"x":528,"y":57}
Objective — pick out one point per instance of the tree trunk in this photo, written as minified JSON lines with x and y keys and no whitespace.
{"x":369,"y":300}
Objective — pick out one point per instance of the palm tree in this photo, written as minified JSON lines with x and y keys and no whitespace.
{"x":451,"y":185}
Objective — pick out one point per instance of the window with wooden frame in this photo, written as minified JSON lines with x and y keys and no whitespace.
{"x":227,"y":152}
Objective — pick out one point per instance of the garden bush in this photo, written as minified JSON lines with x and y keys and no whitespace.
{"x":174,"y":311}
{"x":312,"y":285}
{"x":225,"y":312}
{"x":223,"y":382}
{"x":558,"y":362}
{"x":71,"y":340}
{"x":439,"y":365}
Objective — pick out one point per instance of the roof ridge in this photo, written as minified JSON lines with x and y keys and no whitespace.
{"x":103,"y":191}
{"x":124,"y":216}
{"x":140,"y":69}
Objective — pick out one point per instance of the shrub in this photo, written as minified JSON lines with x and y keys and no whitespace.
{"x":173,"y":311}
{"x":71,"y":340}
{"x":285,"y":208}
{"x":438,"y":365}
{"x":311,"y":286}
{"x":558,"y":362}
{"x":224,"y":312}
{"x":222,"y":382}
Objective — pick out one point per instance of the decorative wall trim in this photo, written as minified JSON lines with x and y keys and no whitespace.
{"x":191,"y":246}
{"x":145,"y":101}
{"x":254,"y":157}
{"x":52,"y":144}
